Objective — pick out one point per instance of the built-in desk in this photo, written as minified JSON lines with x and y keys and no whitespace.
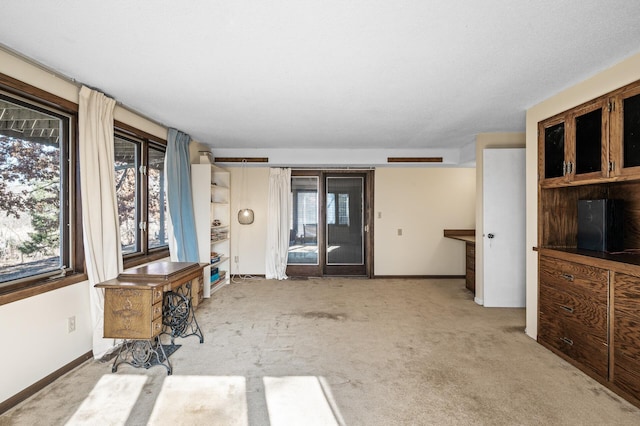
{"x":144,"y":302}
{"x":469,"y":237}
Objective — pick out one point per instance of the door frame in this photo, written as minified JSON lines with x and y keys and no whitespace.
{"x":320,"y":269}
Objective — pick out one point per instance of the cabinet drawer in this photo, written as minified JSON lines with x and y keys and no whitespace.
{"x":626,"y":294}
{"x":471,"y":262}
{"x":576,"y":309}
{"x":156,"y":310}
{"x":471,"y":249}
{"x":575,"y":342}
{"x":582,"y":279}
{"x":156,"y":327}
{"x":157,"y":295}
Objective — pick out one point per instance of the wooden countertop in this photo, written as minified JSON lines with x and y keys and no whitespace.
{"x":468,"y":235}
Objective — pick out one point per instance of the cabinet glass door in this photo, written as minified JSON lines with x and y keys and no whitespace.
{"x":631,"y":131}
{"x":589,"y":142}
{"x":554,"y":151}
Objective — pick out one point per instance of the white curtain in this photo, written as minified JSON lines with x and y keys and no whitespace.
{"x":278,"y":223}
{"x":102,"y":249}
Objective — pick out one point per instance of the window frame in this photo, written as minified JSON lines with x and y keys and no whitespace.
{"x":147,"y":140}
{"x":12,"y":292}
{"x":24,"y":288}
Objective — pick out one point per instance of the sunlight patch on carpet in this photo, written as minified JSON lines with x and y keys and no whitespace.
{"x":299,"y":400}
{"x":201,"y":400}
{"x":110,"y":401}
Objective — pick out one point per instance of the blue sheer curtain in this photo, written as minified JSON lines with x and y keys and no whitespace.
{"x":178,"y":173}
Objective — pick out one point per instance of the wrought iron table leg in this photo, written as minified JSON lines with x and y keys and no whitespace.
{"x":178,"y":315}
{"x":142,"y":354}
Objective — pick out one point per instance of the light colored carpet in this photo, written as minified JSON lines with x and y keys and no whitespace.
{"x":110,"y":402}
{"x":368,"y":352}
{"x":201,"y":400}
{"x":299,"y":401}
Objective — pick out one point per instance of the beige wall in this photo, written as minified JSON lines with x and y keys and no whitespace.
{"x":248,"y":242}
{"x":36,"y":328}
{"x":617,"y":76}
{"x":487,"y":140}
{"x":422,"y":202}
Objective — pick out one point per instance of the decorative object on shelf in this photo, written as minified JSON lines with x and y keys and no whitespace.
{"x":245,"y":215}
{"x":205,"y":157}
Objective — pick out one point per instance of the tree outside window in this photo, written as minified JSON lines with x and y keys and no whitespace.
{"x":33,"y":187}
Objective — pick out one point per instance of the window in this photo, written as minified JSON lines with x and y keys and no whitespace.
{"x":331,"y":208}
{"x":36,"y":234}
{"x":142,"y":205}
{"x":342,"y":214}
{"x":156,"y":200}
{"x":343,"y":209}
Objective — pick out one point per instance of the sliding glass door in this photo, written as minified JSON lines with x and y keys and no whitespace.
{"x":329,"y":229}
{"x":303,"y":222}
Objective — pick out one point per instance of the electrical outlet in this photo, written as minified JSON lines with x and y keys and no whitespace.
{"x":399,"y":232}
{"x":235,"y":259}
{"x":71,"y":324}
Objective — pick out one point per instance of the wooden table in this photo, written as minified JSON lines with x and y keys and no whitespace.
{"x":147,"y":301}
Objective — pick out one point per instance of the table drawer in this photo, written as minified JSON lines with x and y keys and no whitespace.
{"x":156,"y":310}
{"x":575,"y":342}
{"x":157,"y":295}
{"x":582,"y":279}
{"x":565,"y":305}
{"x":156,"y":327}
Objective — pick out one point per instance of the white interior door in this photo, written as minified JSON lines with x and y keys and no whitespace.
{"x":504,"y":227}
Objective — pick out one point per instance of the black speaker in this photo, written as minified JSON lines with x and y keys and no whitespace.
{"x":600,"y":225}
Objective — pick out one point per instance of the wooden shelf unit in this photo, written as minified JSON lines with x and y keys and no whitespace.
{"x":589,"y":301}
{"x":211,"y":187}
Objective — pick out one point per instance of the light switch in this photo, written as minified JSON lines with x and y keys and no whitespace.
{"x":399,"y":232}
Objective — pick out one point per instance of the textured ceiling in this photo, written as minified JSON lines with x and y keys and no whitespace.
{"x":333,"y":74}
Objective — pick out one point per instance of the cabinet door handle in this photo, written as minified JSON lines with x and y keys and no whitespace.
{"x":567,"y":277}
{"x":567,"y":341}
{"x":567,"y":308}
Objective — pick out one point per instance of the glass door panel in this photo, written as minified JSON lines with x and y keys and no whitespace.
{"x":631,"y":131}
{"x":554,"y":151}
{"x":344,"y":221}
{"x":589,"y":142}
{"x":303,"y":222}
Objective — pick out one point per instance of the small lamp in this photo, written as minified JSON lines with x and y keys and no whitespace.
{"x":245,"y":217}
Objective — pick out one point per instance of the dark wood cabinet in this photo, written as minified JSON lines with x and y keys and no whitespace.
{"x":626,"y":333}
{"x":588,"y":301}
{"x":594,"y":142}
{"x":574,"y":145}
{"x":470,"y":276}
{"x":573,"y":312}
{"x":625,"y":128}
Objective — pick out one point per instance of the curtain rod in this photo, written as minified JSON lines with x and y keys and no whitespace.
{"x":73,"y":81}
